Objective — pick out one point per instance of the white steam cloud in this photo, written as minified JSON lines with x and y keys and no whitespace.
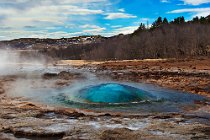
{"x":12,"y":61}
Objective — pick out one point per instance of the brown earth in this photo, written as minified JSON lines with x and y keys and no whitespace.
{"x":21,"y":118}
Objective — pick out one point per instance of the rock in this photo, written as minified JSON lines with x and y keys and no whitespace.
{"x":4,"y":136}
{"x":118,"y":134}
{"x":49,"y":75}
{"x":39,"y":133}
{"x":62,"y":83}
{"x":2,"y":91}
{"x":28,"y":105}
{"x":69,"y":76}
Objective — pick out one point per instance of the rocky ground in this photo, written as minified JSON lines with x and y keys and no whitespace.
{"x":20,"y":118}
{"x":191,"y":75}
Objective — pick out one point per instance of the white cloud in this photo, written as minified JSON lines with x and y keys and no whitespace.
{"x":36,"y":34}
{"x":44,"y":15}
{"x":119,"y":15}
{"x":147,"y":21}
{"x":52,"y":1}
{"x":92,"y":29}
{"x":144,"y":20}
{"x":116,"y":26}
{"x":165,"y":1}
{"x":121,"y":10}
{"x":89,"y":26}
{"x":195,"y":2}
{"x":38,"y":18}
{"x":125,"y":30}
{"x":120,"y":30}
{"x":196,"y":11}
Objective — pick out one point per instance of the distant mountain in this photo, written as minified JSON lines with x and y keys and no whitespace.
{"x":36,"y":43}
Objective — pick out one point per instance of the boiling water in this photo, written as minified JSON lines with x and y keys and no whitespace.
{"x":126,"y":97}
{"x":100,"y":95}
{"x":109,"y":93}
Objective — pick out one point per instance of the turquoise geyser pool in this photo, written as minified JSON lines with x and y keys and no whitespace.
{"x":125,"y":97}
{"x":111,"y":93}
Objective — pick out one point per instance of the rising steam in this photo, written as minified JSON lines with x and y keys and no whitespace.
{"x":12,"y":61}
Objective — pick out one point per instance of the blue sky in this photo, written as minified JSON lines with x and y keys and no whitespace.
{"x":67,"y":18}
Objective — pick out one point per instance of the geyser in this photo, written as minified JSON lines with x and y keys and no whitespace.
{"x":97,"y":95}
{"x":110,"y":93}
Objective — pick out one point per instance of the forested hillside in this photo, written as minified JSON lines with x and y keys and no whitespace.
{"x":177,"y":39}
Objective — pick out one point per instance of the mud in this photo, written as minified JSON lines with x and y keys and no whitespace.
{"x":23,"y":119}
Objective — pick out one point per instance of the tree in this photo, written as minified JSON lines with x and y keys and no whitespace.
{"x":141,"y":28}
{"x":157,"y":23}
{"x":202,"y":20}
{"x":165,"y":21}
{"x":208,"y":19}
{"x":195,"y":19}
{"x":179,"y":20}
